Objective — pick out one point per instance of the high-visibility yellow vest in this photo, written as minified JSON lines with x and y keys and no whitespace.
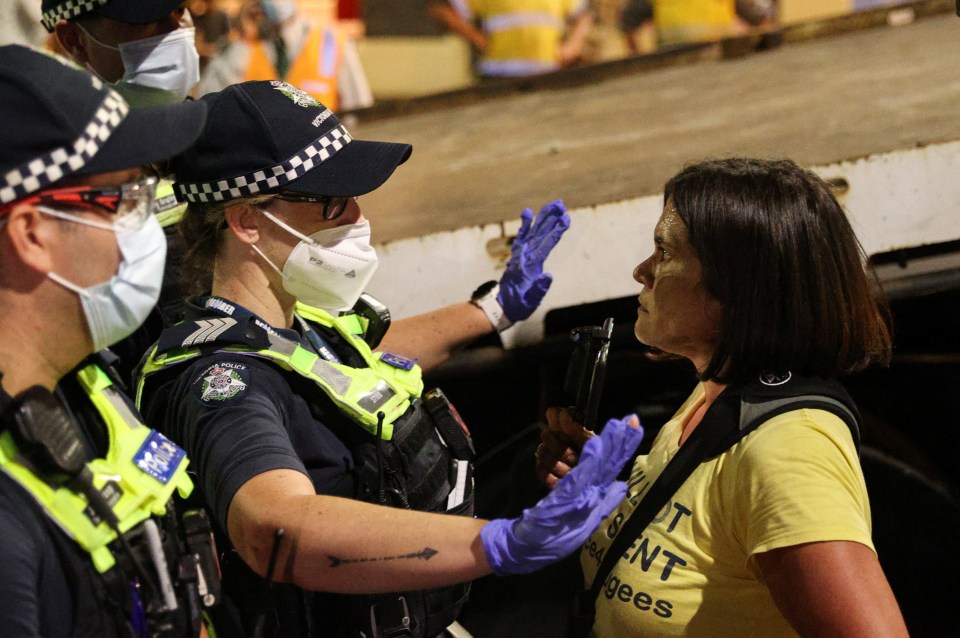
{"x":523,"y":36}
{"x":143,"y":467}
{"x":360,"y":393}
{"x":682,"y":21}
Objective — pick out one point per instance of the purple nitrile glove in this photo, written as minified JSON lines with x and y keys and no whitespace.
{"x":562,"y":521}
{"x":524,"y":283}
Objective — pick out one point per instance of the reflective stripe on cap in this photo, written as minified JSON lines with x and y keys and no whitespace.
{"x":267,"y":179}
{"x":42,"y":171}
{"x":69,"y":10}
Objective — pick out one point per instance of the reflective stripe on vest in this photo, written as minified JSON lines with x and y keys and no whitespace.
{"x":515,"y":68}
{"x":141,"y":493}
{"x":360,"y":393}
{"x":516,"y":19}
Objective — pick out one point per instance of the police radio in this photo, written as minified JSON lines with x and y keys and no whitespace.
{"x":587,"y":369}
{"x":376,"y":316}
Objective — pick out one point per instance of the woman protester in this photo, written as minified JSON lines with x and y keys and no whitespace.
{"x":758,"y":280}
{"x":274,"y":386}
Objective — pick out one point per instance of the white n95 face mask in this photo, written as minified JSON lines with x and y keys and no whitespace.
{"x":115,"y":308}
{"x":168,"y":62}
{"x":331,"y":268}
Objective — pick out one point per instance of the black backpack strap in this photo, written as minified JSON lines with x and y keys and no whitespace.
{"x":699,"y":446}
{"x":771,"y":396}
{"x":737,"y":412}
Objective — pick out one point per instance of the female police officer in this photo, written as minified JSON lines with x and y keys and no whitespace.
{"x":273,"y":388}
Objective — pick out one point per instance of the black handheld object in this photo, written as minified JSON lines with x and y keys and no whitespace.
{"x":450,"y":424}
{"x":48,"y":437}
{"x":46,"y":433}
{"x":586,"y":370}
{"x":376,"y":316}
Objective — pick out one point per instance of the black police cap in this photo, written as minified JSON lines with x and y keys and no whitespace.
{"x":59,"y":121}
{"x":269,"y":136}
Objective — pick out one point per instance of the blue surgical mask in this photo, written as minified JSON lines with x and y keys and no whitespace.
{"x":167,"y":63}
{"x":115,"y":308}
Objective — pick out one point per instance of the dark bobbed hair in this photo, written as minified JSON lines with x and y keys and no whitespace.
{"x":780,"y":256}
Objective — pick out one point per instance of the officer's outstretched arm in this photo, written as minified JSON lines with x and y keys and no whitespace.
{"x":340,"y":545}
{"x":432,"y":337}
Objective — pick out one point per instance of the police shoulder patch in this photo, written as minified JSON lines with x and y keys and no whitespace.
{"x":222,"y":382}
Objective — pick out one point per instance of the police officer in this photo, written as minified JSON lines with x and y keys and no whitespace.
{"x":281,"y":387}
{"x":146,"y":49}
{"x":92,"y":546}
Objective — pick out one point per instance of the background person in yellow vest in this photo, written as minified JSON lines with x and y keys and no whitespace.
{"x":81,"y":259}
{"x":686,"y":21}
{"x":518,"y":37}
{"x":307,"y":51}
{"x":147,"y":50}
{"x":272,"y":384}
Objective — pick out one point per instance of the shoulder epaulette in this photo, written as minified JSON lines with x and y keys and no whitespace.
{"x":215,"y":331}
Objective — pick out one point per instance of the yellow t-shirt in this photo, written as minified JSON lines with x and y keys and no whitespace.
{"x":795,"y":479}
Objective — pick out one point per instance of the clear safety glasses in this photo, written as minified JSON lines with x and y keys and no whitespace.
{"x":131,"y":204}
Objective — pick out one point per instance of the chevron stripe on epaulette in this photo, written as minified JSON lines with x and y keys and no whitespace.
{"x":220,"y":331}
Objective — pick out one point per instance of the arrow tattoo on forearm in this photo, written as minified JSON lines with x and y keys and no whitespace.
{"x":426,"y":554}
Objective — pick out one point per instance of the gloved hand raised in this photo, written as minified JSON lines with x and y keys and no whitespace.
{"x":524,"y":283}
{"x":561,"y":522}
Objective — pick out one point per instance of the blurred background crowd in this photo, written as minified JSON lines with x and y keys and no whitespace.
{"x":352,"y":52}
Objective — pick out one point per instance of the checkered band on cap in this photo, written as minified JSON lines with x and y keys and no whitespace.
{"x":69,"y":10}
{"x":267,"y":179}
{"x":60,"y":162}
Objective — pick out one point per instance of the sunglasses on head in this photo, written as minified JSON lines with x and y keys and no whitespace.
{"x":333,"y":205}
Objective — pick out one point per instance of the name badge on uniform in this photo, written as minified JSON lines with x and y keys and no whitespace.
{"x":397,"y":361}
{"x":159,"y":457}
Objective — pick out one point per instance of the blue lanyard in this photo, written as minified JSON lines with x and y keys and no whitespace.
{"x":318,"y":342}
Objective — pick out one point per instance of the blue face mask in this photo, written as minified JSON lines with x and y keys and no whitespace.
{"x":117,"y":307}
{"x":167,"y":64}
